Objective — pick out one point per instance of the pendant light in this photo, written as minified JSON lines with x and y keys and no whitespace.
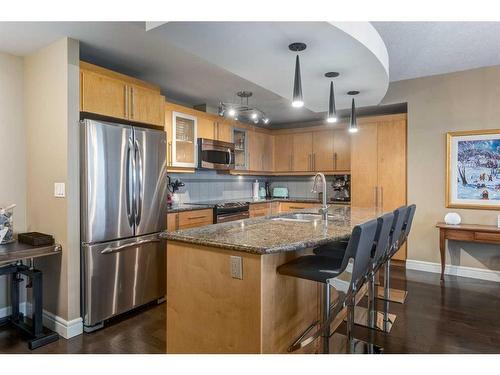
{"x":332,"y":112}
{"x":297,"y":100}
{"x":353,"y":123}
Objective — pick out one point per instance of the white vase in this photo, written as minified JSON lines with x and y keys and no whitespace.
{"x":452,"y":218}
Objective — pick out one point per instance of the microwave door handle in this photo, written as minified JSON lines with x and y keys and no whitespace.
{"x":230,"y":156}
{"x":140,"y":182}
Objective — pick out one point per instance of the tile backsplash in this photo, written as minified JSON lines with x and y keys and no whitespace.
{"x":209,"y":185}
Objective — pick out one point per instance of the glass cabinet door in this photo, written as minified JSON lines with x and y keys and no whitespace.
{"x":240,"y":149}
{"x":184,"y":140}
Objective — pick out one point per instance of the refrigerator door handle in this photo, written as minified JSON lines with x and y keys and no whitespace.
{"x":130,"y":198}
{"x":114,"y":249}
{"x":138,"y":196}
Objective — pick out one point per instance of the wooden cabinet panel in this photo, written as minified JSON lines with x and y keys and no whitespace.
{"x":323,"y":152}
{"x":364,"y":174}
{"x":302,"y":152}
{"x":267,"y":152}
{"x":283,"y":152}
{"x":146,"y":106}
{"x":342,"y":150}
{"x":103,"y":95}
{"x":172,"y":222}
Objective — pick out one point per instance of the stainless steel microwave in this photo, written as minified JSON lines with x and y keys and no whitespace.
{"x":214,"y":154}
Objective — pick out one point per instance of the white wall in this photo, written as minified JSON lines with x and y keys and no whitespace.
{"x":12,"y":146}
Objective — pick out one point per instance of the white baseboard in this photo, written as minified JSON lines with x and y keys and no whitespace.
{"x":7,"y":310}
{"x":66,"y":329}
{"x":474,"y":273}
{"x":55,"y":323}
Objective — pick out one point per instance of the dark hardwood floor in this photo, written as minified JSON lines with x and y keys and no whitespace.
{"x":461,"y":316}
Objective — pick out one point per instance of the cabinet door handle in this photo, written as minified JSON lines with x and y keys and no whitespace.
{"x":375,"y":190}
{"x":381,"y":198}
{"x":314,"y":162}
{"x":170,"y":152}
{"x":197,"y":217}
{"x":131,"y":102}
{"x":125,"y":91}
{"x":335,"y":160}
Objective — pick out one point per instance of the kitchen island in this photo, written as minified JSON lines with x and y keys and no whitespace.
{"x":223,"y":292}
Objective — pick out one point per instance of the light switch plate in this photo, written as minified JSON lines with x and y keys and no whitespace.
{"x":236,"y":267}
{"x":59,"y":189}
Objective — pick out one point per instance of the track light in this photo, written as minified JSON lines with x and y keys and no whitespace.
{"x":297,"y":99}
{"x":231,"y":112}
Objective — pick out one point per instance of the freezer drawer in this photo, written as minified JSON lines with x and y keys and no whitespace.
{"x":121,"y":275}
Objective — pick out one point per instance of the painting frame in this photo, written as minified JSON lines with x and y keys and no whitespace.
{"x":451,"y":164}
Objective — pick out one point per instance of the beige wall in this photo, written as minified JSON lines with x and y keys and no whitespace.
{"x":438,"y":104}
{"x":12,"y":146}
{"x":51,"y":114}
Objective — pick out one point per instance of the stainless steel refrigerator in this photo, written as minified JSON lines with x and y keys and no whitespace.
{"x":123,"y":209}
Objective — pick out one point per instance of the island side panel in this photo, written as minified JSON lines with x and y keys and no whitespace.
{"x":208,"y":311}
{"x":289,"y":305}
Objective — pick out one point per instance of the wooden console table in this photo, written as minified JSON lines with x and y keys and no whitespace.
{"x":467,"y":233}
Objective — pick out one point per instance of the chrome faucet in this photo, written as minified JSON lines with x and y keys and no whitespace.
{"x":324,"y":209}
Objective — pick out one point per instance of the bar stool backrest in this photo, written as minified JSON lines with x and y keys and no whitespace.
{"x":382,"y":238}
{"x":359,"y":248}
{"x":399,"y":218}
{"x":410,"y":213}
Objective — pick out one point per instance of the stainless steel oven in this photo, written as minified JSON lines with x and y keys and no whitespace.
{"x":231,"y":211}
{"x":214,"y":154}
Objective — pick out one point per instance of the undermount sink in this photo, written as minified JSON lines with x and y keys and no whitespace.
{"x":301,"y":217}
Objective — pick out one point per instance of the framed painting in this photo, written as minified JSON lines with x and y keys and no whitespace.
{"x":473,"y":169}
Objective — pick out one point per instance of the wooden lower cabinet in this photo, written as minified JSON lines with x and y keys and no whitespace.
{"x":189,"y":219}
{"x":260,"y":209}
{"x":292,"y":206}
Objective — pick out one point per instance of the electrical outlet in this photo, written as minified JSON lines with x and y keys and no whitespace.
{"x":236,"y":267}
{"x":59,"y":189}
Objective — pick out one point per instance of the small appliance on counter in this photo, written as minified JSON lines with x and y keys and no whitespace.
{"x":268,"y":190}
{"x":280,"y":192}
{"x":341,"y":185}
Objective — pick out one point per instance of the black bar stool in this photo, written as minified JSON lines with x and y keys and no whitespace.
{"x":345,"y":275}
{"x":405,"y":215}
{"x":391,"y":294}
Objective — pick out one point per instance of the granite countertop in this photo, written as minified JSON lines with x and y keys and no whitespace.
{"x":265,"y":235}
{"x":262,"y":200}
{"x":181,"y":207}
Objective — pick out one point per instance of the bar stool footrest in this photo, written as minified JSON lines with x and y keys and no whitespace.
{"x":395,"y":295}
{"x":338,"y":345}
{"x":361,"y":319}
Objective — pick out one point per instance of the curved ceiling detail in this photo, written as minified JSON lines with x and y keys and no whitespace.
{"x":258,"y":52}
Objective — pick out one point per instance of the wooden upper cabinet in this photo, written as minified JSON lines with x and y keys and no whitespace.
{"x":112,"y":94}
{"x":146,"y":106}
{"x":103,"y":95}
{"x":207,"y":127}
{"x":224,"y":130}
{"x":302,"y":152}
{"x":260,"y":151}
{"x":283,"y":152}
{"x":341,"y":150}
{"x":323,"y":153}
